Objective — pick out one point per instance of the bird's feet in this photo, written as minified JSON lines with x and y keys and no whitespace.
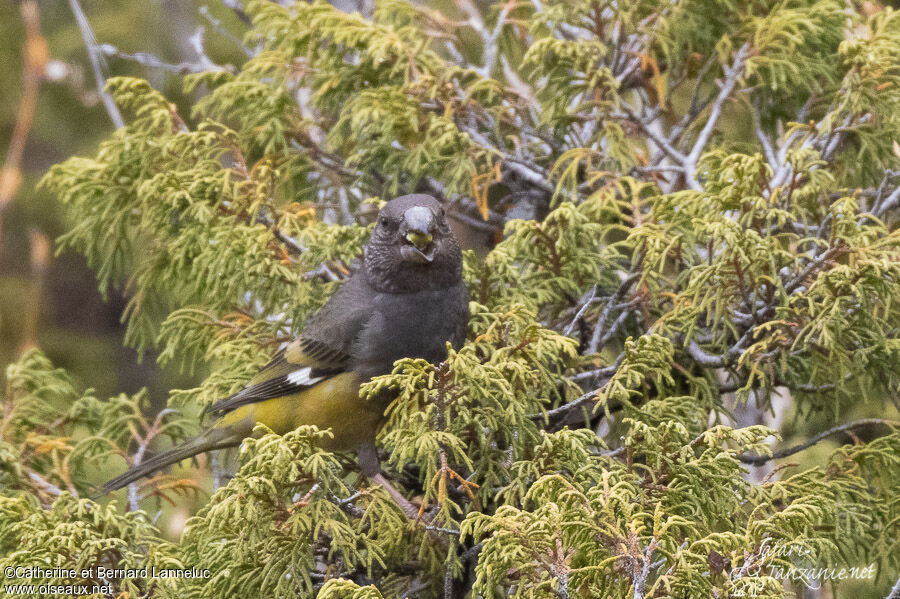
{"x":409,"y":509}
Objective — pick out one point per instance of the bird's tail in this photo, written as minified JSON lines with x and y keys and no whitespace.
{"x":214,"y":438}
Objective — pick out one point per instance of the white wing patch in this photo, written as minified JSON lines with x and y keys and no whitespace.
{"x":303,"y":377}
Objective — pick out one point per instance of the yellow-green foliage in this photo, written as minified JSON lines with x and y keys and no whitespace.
{"x":715,"y":201}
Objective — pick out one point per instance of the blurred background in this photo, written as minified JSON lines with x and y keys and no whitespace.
{"x":50,"y":109}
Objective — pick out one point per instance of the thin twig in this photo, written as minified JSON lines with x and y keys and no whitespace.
{"x":659,"y":140}
{"x":581,"y":399}
{"x":585,"y":305}
{"x":293,"y":246}
{"x":96,"y":58}
{"x":220,"y":29}
{"x":895,"y":591}
{"x":763,"y":138}
{"x":600,"y":337}
{"x":818,"y":262}
{"x":640,"y":581}
{"x":604,"y":372}
{"x":732,"y":75}
{"x":530,"y":172}
{"x":762,"y":459}
{"x":237,"y":7}
{"x":614,"y":327}
{"x":490,"y":46}
{"x":151,"y":61}
{"x":197,"y":43}
{"x":566,"y":407}
{"x":44,"y":483}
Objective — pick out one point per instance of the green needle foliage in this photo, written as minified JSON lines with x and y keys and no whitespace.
{"x":692,"y":209}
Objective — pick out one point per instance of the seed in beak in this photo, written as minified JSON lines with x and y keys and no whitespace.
{"x":420,"y":240}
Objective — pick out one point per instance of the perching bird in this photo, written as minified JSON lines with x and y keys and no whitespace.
{"x":406,"y":300}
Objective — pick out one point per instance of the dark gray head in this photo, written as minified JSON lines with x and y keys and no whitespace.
{"x":412,"y":247}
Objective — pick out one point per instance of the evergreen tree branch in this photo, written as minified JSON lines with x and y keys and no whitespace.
{"x":336,"y":107}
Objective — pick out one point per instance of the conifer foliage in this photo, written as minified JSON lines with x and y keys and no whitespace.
{"x":694,"y":205}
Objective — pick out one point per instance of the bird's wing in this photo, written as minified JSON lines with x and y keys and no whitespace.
{"x":321,"y":352}
{"x":300,"y":365}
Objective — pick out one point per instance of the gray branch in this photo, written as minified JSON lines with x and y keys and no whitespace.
{"x":732,"y":75}
{"x":153,"y":62}
{"x":895,"y":591}
{"x":601,"y":335}
{"x":96,"y":58}
{"x":758,"y":460}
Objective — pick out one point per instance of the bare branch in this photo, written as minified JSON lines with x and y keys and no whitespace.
{"x":530,"y":172}
{"x":883,"y":204}
{"x":581,"y":399}
{"x":661,"y":168}
{"x":220,"y":29}
{"x":585,"y":305}
{"x":817,"y":263}
{"x":293,"y":246}
{"x":732,"y":75}
{"x":237,"y":7}
{"x":718,"y":361}
{"x":566,"y":408}
{"x":490,"y":43}
{"x":763,"y":138}
{"x":96,"y":58}
{"x":601,"y":336}
{"x":598,"y":373}
{"x":44,"y":483}
{"x":197,"y":41}
{"x":757,"y":460}
{"x":660,"y":141}
{"x":151,"y":61}
{"x":895,"y":591}
{"x":640,"y":581}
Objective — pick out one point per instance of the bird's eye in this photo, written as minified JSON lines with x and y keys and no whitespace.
{"x":383,"y":221}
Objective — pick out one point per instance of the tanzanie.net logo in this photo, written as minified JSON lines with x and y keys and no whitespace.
{"x":777,"y":562}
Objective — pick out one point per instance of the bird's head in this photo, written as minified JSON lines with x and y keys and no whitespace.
{"x":412,"y":246}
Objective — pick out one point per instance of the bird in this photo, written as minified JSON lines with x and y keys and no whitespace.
{"x":406,"y":298}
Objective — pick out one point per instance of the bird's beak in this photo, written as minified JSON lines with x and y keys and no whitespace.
{"x":419,"y":223}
